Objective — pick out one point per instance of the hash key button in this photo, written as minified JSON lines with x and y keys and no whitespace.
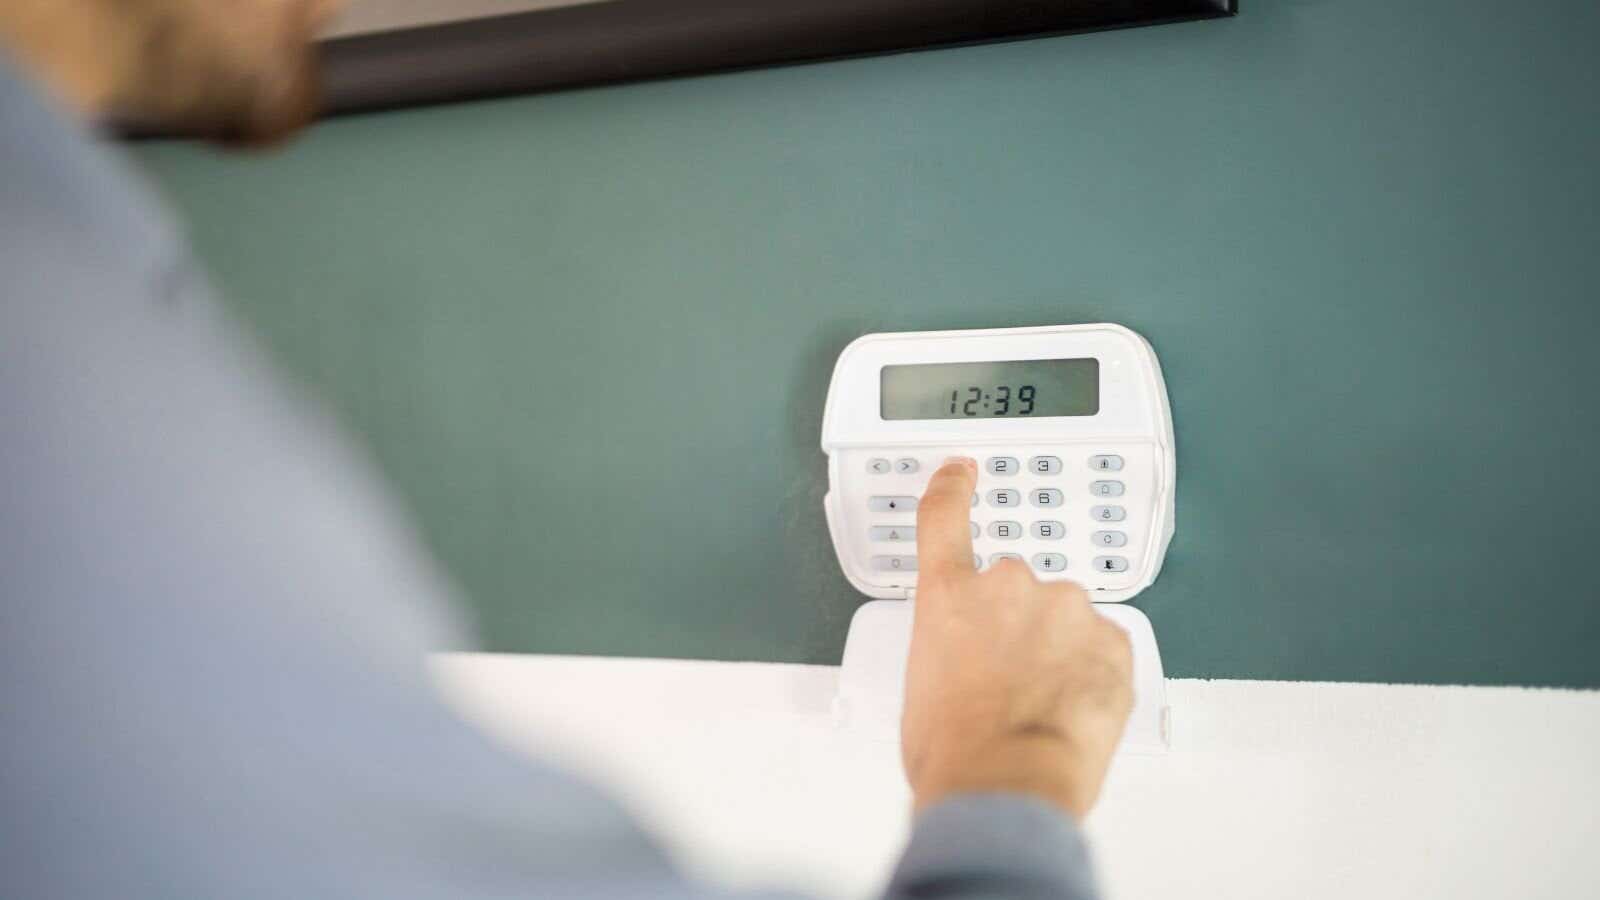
{"x":892,"y":504}
{"x":1049,"y":562}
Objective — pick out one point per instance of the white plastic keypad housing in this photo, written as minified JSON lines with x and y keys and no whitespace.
{"x":1088,"y":498}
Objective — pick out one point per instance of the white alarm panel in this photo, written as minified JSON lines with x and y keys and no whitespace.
{"x":1071,"y":429}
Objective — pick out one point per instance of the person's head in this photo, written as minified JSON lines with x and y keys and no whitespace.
{"x":233,"y":70}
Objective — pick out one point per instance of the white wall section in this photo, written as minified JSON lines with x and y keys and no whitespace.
{"x":1272,"y":790}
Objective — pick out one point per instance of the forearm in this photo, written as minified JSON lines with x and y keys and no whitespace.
{"x":993,"y":845}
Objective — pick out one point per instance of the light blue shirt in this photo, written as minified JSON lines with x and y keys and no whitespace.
{"x":213,"y":621}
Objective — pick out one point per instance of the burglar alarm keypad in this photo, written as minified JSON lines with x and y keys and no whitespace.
{"x":1068,"y":512}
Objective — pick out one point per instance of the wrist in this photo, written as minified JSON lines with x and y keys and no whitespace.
{"x":1038,"y":765}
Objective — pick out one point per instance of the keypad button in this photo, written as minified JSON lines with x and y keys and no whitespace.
{"x":1106,"y":488}
{"x":893,"y":534}
{"x":1003,"y":465}
{"x":977,"y":561}
{"x":878,"y":466}
{"x":995,"y":559}
{"x":1045,"y":465}
{"x":1108,"y":539}
{"x":1005,"y":531}
{"x":906,"y":465}
{"x":974,"y":498}
{"x":1110,"y":564}
{"x":894,"y":563}
{"x":1105,"y":462}
{"x":1049,"y":562}
{"x":975,"y":530}
{"x":1107,"y":513}
{"x":1049,"y":531}
{"x":1045,"y":498}
{"x":1005,"y":497}
{"x":892,"y":504}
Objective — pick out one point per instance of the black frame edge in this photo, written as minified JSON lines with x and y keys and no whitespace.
{"x":634,"y":40}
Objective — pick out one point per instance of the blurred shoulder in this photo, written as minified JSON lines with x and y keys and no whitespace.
{"x":70,"y":202}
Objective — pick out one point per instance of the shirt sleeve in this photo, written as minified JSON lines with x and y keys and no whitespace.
{"x":993,"y":846}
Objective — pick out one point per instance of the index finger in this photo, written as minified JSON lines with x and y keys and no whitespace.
{"x":944,"y":542}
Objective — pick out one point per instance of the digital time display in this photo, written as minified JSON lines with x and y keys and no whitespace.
{"x":1027,"y":388}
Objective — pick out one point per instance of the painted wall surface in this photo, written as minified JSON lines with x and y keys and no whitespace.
{"x":588,"y":335}
{"x":1312,"y":791}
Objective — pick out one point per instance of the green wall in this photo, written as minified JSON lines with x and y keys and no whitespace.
{"x":588,"y":334}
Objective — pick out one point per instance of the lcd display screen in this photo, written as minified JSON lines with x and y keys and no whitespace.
{"x":1025,"y":388}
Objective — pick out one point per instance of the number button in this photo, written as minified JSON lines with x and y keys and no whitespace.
{"x":1005,"y":531}
{"x":1109,"y":539}
{"x":1106,"y":488}
{"x":1004,"y":497}
{"x":894,"y":563}
{"x":906,"y":465}
{"x":892,"y":504}
{"x":975,"y":530}
{"x":1046,"y":498}
{"x":1049,"y":531}
{"x":1108,"y":513}
{"x":995,"y":559}
{"x":1045,"y":465}
{"x":1110,"y":564}
{"x":892,"y":534}
{"x":1049,"y":562}
{"x":1002,"y":465}
{"x":1106,"y":462}
{"x":877,"y":466}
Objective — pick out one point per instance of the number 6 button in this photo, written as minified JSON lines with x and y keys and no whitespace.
{"x":1048,"y":497}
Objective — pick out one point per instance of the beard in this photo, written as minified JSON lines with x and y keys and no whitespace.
{"x":248,"y":79}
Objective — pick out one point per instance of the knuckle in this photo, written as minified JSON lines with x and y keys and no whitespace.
{"x":1070,"y":592}
{"x":1116,"y":647}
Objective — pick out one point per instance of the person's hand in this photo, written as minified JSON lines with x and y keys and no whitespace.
{"x":1012,"y":684}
